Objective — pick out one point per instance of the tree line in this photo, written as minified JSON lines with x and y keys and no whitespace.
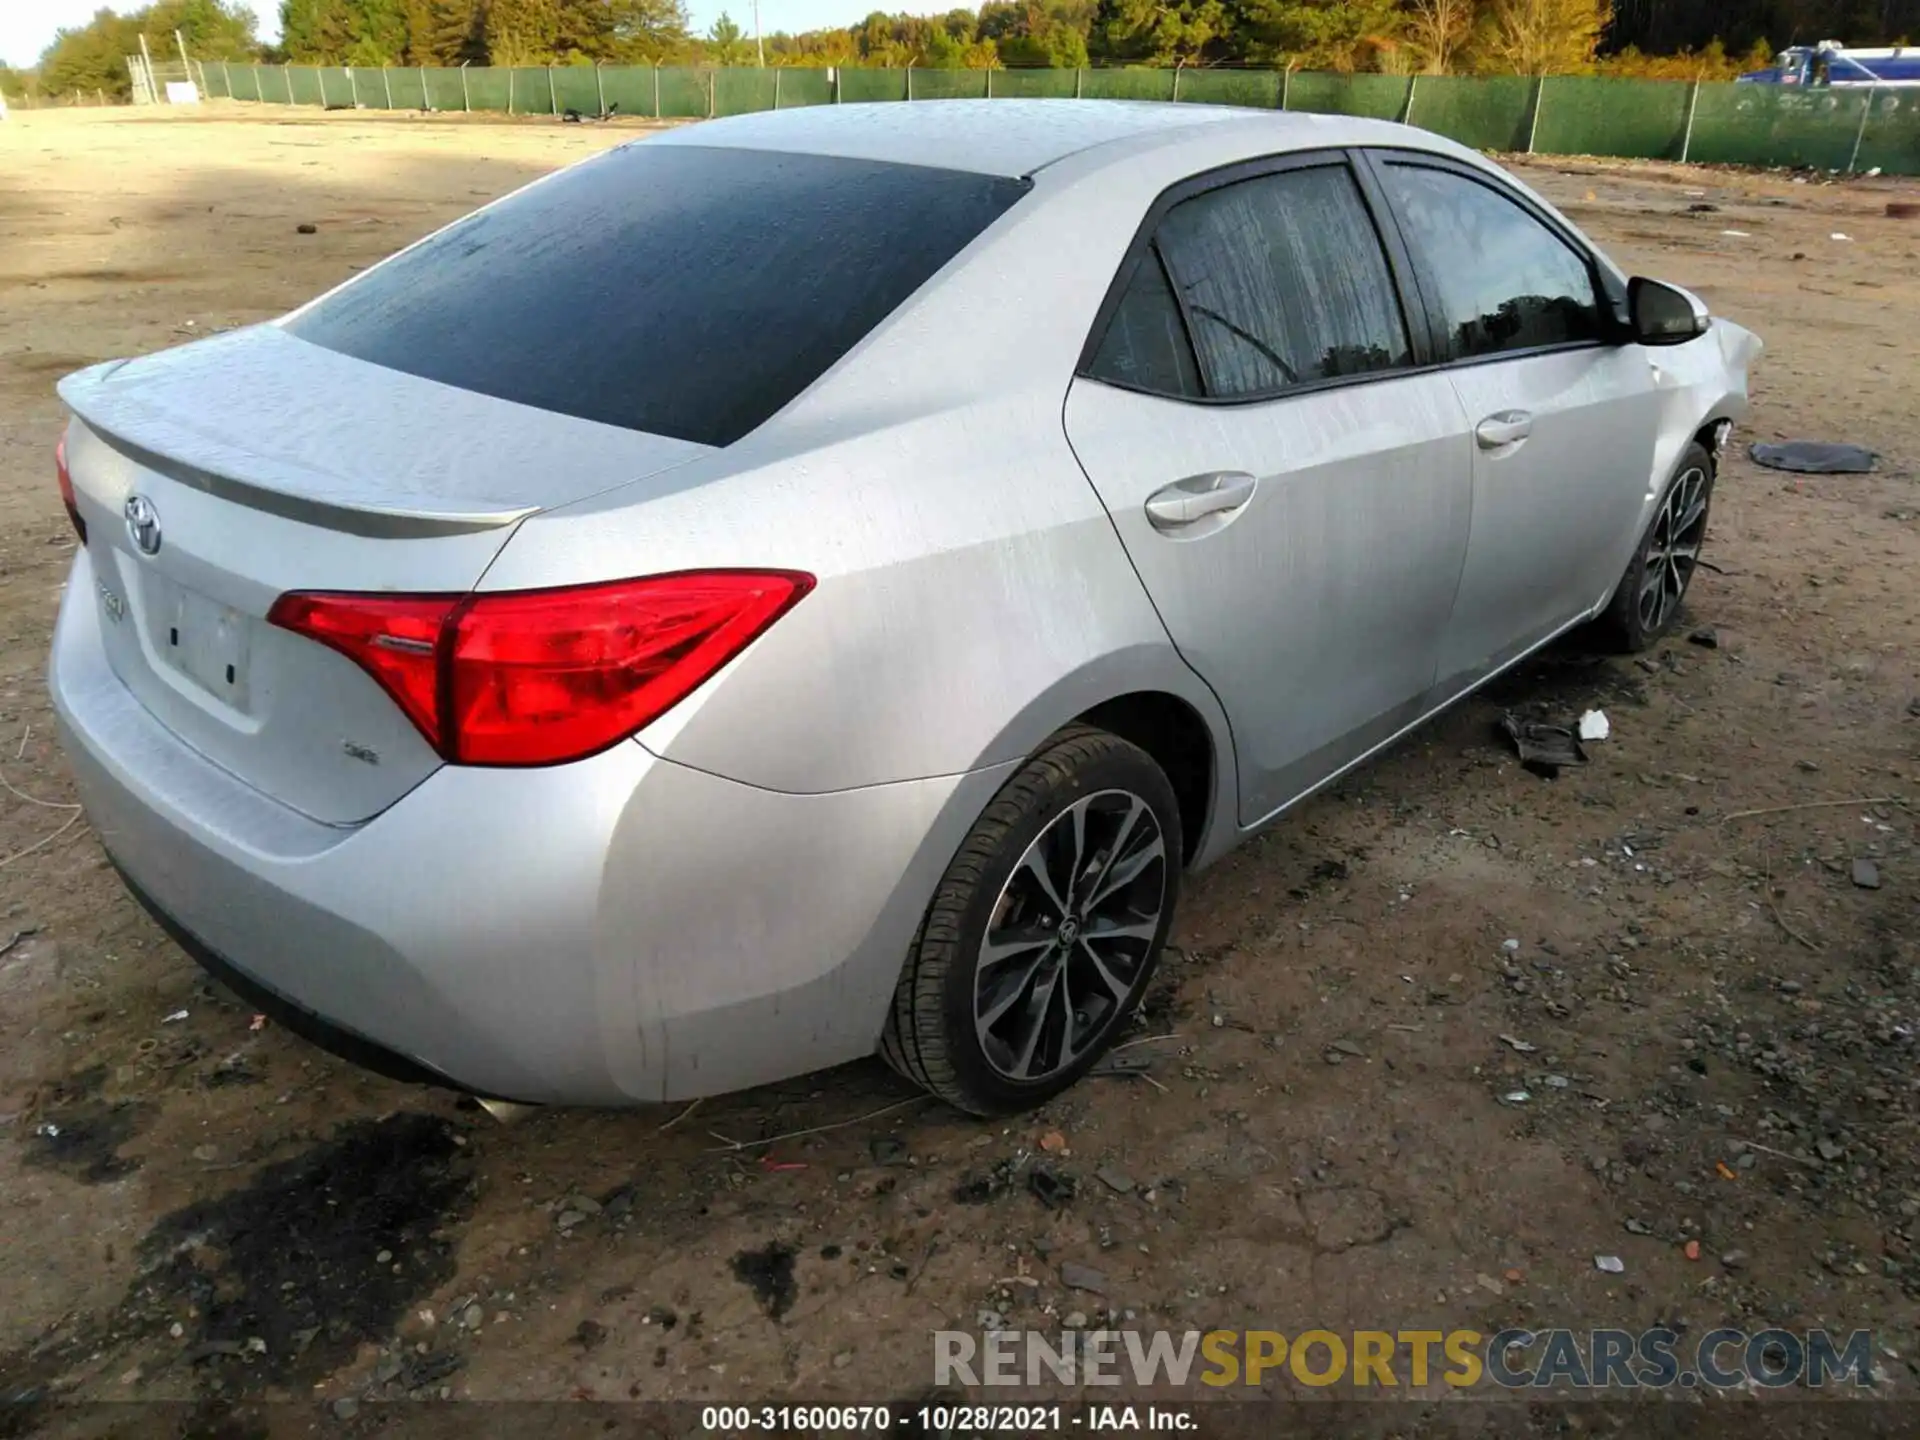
{"x":1679,"y":39}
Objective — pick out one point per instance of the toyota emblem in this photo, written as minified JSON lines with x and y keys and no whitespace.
{"x":143,"y":524}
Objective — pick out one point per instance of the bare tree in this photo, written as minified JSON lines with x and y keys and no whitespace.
{"x":1436,"y":29}
{"x":1548,"y":37}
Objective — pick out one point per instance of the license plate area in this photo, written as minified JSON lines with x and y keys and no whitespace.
{"x":199,"y":638}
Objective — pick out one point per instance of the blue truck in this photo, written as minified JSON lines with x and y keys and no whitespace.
{"x":1831,"y":63}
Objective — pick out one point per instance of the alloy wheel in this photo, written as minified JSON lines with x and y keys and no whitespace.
{"x":1070,"y":933}
{"x":1673,"y":550}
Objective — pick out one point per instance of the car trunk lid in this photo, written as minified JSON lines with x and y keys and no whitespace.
{"x":219,"y":476}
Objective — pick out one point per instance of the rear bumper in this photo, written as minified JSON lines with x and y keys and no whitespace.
{"x":623,"y":929}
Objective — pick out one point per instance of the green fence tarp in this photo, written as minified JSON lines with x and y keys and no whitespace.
{"x":741,"y":91}
{"x":446,"y":90}
{"x":1891,"y":139}
{"x":486,"y":87}
{"x":1776,"y":125}
{"x":369,"y":88}
{"x":1495,"y":113}
{"x":683,"y":93}
{"x":1562,"y":115}
{"x":948,"y":84}
{"x":1031,"y":84}
{"x":1376,"y":97}
{"x":576,"y":87}
{"x":863,"y":85}
{"x":629,"y":87}
{"x":1634,"y":119}
{"x":797,"y":87}
{"x":1255,"y":89}
{"x":1127,"y":84}
{"x":533,"y":89}
{"x":408,"y":86}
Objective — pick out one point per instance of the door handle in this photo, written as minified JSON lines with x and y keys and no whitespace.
{"x":1508,"y":427}
{"x":1198,"y":496}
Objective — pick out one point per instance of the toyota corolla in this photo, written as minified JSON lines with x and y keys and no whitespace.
{"x":814,"y":583}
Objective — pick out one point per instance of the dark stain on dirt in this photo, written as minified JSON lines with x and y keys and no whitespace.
{"x":768,"y":1272}
{"x":279,"y":1282}
{"x":78,"y":1134}
{"x":291,"y":1259}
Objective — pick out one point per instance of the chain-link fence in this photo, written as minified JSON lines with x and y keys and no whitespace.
{"x":1829,"y":129}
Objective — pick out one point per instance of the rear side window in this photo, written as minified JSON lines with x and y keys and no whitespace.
{"x":1504,"y":280}
{"x":674,"y":289}
{"x":1284,"y":282}
{"x":1146,"y":346}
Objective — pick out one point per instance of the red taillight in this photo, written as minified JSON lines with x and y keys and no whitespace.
{"x":66,"y":489}
{"x":394,"y":639}
{"x":537,"y":677}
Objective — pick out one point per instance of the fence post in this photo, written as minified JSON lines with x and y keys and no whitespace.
{"x":710,"y":75}
{"x":1406,"y":115}
{"x":386,"y":85}
{"x":353,"y":87}
{"x":510,"y":89}
{"x":1076,"y":84}
{"x":286,"y":74}
{"x":1286,"y":84}
{"x":656,"y":89}
{"x":1686,"y":140}
{"x":466,"y":104}
{"x":1176,"y":81}
{"x":1873,"y":91}
{"x":989,"y":82}
{"x":776,"y":86}
{"x":553,"y":98}
{"x":909,"y":80}
{"x":1539,"y":103}
{"x":599,"y":88}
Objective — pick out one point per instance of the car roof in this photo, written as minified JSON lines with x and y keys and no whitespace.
{"x":1000,"y":137}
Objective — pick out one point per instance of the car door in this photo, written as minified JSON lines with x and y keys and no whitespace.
{"x":1564,"y":415}
{"x":1293,"y":494}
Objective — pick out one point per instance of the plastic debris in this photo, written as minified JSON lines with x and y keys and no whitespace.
{"x":175,"y":1018}
{"x":259,"y":1022}
{"x":1518,"y":1044}
{"x":1612,"y":1264}
{"x":1837,"y":235}
{"x":1054,"y":1143}
{"x":1866,"y":875}
{"x":1595,"y":726}
{"x":1543,"y":749}
{"x":1815,"y":457}
{"x":1692,"y":1250}
{"x":1517,"y":1097}
{"x":1735,"y":234}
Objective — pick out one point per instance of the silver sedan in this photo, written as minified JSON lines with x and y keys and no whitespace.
{"x":814,"y":583}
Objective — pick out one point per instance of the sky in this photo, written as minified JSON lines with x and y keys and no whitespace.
{"x":27,"y":26}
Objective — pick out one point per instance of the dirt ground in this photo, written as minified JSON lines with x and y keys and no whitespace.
{"x":1712,"y":1023}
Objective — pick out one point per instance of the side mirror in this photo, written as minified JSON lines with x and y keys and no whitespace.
{"x":1664,"y":314}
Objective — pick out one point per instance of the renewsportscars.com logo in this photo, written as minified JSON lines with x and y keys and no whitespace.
{"x":1558,"y":1359}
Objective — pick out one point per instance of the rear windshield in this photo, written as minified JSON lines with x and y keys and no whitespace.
{"x":675,"y":289}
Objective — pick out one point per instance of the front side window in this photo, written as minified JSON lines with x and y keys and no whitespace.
{"x":1283,"y":282}
{"x":1503,"y":281}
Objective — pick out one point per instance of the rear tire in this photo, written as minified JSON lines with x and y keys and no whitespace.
{"x":1648,"y":601}
{"x":1045,"y":930}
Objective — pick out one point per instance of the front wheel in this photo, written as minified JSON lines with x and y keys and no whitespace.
{"x":1647,"y":603}
{"x":1045,"y":929}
